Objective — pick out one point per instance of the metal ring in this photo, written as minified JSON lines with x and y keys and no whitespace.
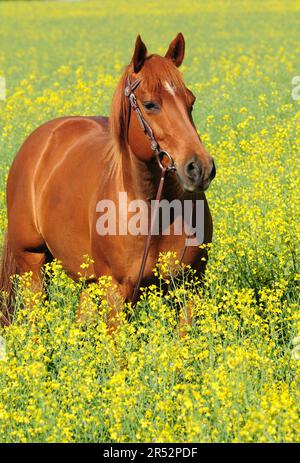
{"x":160,"y":157}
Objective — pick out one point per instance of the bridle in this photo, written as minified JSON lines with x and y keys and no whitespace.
{"x":160,"y":154}
{"x":170,"y":167}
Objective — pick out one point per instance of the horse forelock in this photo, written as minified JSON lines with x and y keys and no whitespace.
{"x":158,"y":72}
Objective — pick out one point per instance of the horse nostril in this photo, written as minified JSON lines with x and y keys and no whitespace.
{"x":213,"y":171}
{"x":192,"y":170}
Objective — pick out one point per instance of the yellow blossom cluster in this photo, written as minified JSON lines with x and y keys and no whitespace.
{"x":234,"y":375}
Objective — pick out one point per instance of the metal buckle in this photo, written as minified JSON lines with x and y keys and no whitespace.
{"x":153,"y":145}
{"x":127,"y":90}
{"x":160,"y":157}
{"x":133,"y":101}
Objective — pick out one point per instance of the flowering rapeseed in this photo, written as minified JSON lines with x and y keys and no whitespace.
{"x":234,"y":375}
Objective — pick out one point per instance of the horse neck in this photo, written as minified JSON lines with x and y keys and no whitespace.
{"x":141,"y":179}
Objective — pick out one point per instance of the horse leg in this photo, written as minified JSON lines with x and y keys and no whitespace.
{"x":185,"y":320}
{"x":88,"y":311}
{"x":18,"y":260}
{"x":31,"y":261}
{"x":115,"y":300}
{"x":25,"y":262}
{"x":186,"y":313}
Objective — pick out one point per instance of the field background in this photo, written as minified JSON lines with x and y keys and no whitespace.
{"x":235,"y":376}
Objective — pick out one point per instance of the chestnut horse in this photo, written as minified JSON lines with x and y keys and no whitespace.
{"x":68,"y":164}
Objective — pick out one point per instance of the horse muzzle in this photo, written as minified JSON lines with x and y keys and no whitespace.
{"x":195,"y":177}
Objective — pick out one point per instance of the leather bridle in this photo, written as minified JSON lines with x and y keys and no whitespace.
{"x":160,"y":155}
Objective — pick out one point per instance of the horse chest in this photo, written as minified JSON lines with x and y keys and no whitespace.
{"x":159,"y":244}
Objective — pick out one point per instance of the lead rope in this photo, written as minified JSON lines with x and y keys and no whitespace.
{"x":189,"y":235}
{"x":149,"y":236}
{"x":160,"y":154}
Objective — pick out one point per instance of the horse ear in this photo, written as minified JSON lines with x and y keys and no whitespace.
{"x":176,"y":50}
{"x":139,"y":55}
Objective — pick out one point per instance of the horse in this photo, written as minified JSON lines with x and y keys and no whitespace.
{"x":68,"y":164}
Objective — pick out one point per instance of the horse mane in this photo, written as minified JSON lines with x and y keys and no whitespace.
{"x":155,"y":72}
{"x":119,"y":114}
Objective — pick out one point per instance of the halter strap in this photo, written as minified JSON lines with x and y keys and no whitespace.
{"x":160,"y":154}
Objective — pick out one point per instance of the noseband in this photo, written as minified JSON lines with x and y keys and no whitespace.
{"x":160,"y":155}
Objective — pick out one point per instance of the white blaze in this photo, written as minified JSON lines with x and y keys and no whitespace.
{"x":169,"y":87}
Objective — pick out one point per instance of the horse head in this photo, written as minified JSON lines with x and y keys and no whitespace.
{"x":166,"y":104}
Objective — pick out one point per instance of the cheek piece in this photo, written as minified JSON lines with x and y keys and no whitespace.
{"x":160,"y":154}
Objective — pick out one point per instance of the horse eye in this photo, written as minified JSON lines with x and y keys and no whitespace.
{"x":150,"y":105}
